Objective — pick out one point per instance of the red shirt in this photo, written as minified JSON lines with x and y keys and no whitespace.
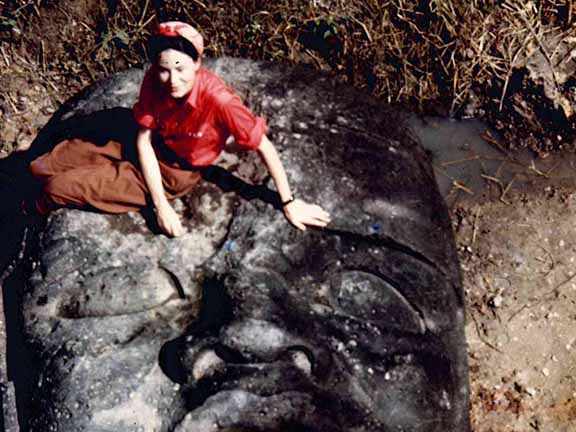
{"x":197,"y":129}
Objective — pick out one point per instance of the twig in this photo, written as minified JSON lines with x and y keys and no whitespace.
{"x":510,"y":69}
{"x":532,"y":167}
{"x":487,"y":136}
{"x":475,"y":229}
{"x":5,"y":56}
{"x":500,"y":168}
{"x":492,"y":179}
{"x":459,"y":185}
{"x":12,"y":104}
{"x":144,"y":10}
{"x":552,"y":169}
{"x":455,"y":183}
{"x":43,"y":55}
{"x":552,"y":260}
{"x":458,"y":161}
{"x":129,"y":10}
{"x":477,"y":326}
{"x":516,"y":313}
{"x":505,"y":191}
{"x":366,"y":32}
{"x":557,"y":287}
{"x":51,"y":84}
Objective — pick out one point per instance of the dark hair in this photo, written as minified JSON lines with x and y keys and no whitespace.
{"x":158,"y":43}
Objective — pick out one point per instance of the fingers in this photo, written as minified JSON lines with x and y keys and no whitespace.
{"x":300,"y":226}
{"x":170,"y":230}
{"x":170,"y":224}
{"x":317,"y":216}
{"x":177,"y":228}
{"x":306,"y":214}
{"x":317,"y":222}
{"x":319,"y":213}
{"x":174,"y":231}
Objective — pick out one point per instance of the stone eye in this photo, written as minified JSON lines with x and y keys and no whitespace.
{"x":369,"y":297}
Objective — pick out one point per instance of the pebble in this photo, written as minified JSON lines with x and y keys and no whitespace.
{"x":531,"y":391}
{"x":497,"y":301}
{"x":545,"y":372}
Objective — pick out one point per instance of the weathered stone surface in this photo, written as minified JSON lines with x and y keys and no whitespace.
{"x":245,"y":323}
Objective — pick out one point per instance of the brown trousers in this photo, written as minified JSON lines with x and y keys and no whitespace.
{"x":82,"y":174}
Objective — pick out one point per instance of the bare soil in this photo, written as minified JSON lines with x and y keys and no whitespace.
{"x":518,"y":261}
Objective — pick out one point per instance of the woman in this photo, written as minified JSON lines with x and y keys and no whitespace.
{"x":194,"y":112}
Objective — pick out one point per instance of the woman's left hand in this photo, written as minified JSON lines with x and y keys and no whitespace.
{"x":300,"y":214}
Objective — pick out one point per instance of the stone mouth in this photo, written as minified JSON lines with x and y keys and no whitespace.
{"x":260,"y":396}
{"x":242,"y":410}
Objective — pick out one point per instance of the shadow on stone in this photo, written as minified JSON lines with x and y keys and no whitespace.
{"x":215,"y":311}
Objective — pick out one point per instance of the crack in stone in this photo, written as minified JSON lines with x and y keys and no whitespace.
{"x":175,"y":281}
{"x":387,"y":241}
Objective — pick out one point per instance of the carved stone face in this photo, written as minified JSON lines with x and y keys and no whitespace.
{"x":245,"y":323}
{"x":326,"y":332}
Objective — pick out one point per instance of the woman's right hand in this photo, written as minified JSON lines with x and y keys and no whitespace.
{"x":168,"y":220}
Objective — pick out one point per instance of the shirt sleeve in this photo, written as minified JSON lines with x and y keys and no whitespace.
{"x":246,"y":128}
{"x":143,"y":110}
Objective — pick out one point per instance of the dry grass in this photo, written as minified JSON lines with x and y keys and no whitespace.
{"x":427,"y":55}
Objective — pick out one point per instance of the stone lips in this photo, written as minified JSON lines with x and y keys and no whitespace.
{"x":244,"y":322}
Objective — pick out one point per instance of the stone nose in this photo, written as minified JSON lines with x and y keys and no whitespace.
{"x":258,"y":341}
{"x":212,"y":360}
{"x":206,"y":364}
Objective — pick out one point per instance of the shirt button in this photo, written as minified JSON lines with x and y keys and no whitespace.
{"x":199,"y":134}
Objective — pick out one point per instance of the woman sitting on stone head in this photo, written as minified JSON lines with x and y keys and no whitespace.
{"x":194,"y":112}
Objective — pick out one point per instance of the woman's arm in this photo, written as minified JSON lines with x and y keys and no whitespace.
{"x":297,"y":212}
{"x":168,"y":219}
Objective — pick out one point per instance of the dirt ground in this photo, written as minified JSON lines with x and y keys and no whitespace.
{"x":518,"y":262}
{"x":518,"y":257}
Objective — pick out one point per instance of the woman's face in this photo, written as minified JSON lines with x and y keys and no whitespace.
{"x":177,"y":72}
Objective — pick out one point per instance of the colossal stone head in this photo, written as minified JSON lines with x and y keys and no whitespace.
{"x":245,"y":323}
